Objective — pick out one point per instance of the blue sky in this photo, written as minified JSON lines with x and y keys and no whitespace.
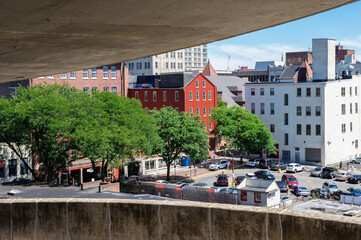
{"x":342,"y":24}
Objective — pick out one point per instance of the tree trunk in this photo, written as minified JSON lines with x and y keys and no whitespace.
{"x":168,"y":172}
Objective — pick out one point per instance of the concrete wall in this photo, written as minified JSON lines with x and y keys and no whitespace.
{"x":138,"y":219}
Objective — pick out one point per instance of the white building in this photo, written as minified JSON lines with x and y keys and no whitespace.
{"x":11,"y":166}
{"x":189,"y":59}
{"x":317,"y":120}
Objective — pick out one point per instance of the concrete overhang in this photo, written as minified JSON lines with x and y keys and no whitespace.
{"x":47,"y":37}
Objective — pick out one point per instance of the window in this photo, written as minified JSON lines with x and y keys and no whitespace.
{"x":356,"y":107}
{"x":210,"y":110}
{"x":262,"y":108}
{"x":299,"y":111}
{"x":262,"y":92}
{"x":343,"y":92}
{"x":156,"y":64}
{"x":210,"y":127}
{"x":318,"y":130}
{"x":114,"y":90}
{"x":105,"y":72}
{"x":271,"y":91}
{"x":343,"y":128}
{"x":105,"y":89}
{"x":299,"y":92}
{"x":308,"y":111}
{"x":23,"y":169}
{"x":197,"y":110}
{"x":136,"y":95}
{"x":12,"y":165}
{"x":154,"y":96}
{"x":94,"y":88}
{"x":197,"y":96}
{"x":318,"y":92}
{"x":51,"y":76}
{"x":176,"y":96}
{"x":350,"y":91}
{"x":285,"y":119}
{"x":63,"y":75}
{"x":197,"y":84}
{"x":343,"y":109}
{"x":308,"y":129}
{"x":272,"y":128}
{"x":113,"y":72}
{"x":350,"y":126}
{"x":253,"y":91}
{"x":86,"y":73}
{"x":257,"y":197}
{"x":209,"y":95}
{"x":190,"y":96}
{"x":308,"y":92}
{"x":204,"y":96}
{"x":72,"y":75}
{"x":286,"y":139}
{"x":253,"y":108}
{"x":203,"y":83}
{"x":146,"y":96}
{"x":94,"y":73}
{"x":164,"y":96}
{"x":166,"y":65}
{"x":86,"y":89}
{"x":272,"y":108}
{"x":299,"y":129}
{"x":177,"y":109}
{"x":2,"y":169}
{"x":204,"y":111}
{"x":318,"y":111}
{"x":355,"y":91}
{"x":356,"y":143}
{"x":139,"y":66}
{"x":286,"y":99}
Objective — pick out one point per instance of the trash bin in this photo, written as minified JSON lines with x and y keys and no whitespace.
{"x":185,"y":161}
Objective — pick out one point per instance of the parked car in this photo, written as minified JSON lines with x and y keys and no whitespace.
{"x":355,"y":192}
{"x":222,"y":180}
{"x":276,"y":166}
{"x":264,"y":175}
{"x":330,"y":187}
{"x":265,"y":163}
{"x":215,"y":189}
{"x":200,"y":185}
{"x":356,"y":160}
{"x":302,"y":191}
{"x":319,"y":193}
{"x":228,"y":190}
{"x":253,"y":162}
{"x":251,"y":176}
{"x":342,"y":175}
{"x":161,"y":181}
{"x":354,"y":179}
{"x":283,"y":186}
{"x":328,"y":172}
{"x":284,"y":198}
{"x":338,"y":193}
{"x":316,"y":172}
{"x":239,"y":179}
{"x":290,"y":180}
{"x":294,"y":167}
{"x":219,"y":165}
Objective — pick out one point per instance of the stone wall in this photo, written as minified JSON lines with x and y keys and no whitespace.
{"x":139,"y":219}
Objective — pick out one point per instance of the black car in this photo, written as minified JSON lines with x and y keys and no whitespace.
{"x":319,"y":193}
{"x":328,"y":172}
{"x":283,"y":186}
{"x":337,"y":195}
{"x":264,"y":175}
{"x":354,"y":179}
{"x":276,"y":166}
{"x":265,"y":163}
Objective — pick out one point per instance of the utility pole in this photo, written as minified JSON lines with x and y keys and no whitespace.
{"x":233,"y":183}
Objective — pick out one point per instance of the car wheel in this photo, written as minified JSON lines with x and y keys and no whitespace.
{"x":353,"y":161}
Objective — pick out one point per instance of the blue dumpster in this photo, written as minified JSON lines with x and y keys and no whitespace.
{"x":185,"y":161}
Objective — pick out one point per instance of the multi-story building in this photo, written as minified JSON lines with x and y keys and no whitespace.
{"x":264,"y":71}
{"x":297,"y":58}
{"x":189,"y":59}
{"x":314,"y":120}
{"x":112,"y":78}
{"x":181,"y":91}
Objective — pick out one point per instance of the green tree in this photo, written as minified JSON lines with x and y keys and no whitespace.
{"x":243,"y":130}
{"x":221,"y":103}
{"x":179,"y":132}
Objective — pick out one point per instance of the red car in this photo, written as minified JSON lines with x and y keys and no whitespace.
{"x":290,"y":180}
{"x":222,"y":180}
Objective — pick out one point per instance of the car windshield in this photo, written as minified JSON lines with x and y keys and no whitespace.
{"x":357,"y":176}
{"x":323,"y":191}
{"x":292,"y":180}
{"x":357,"y":191}
{"x":222,"y":178}
{"x":302,"y":189}
{"x":333,"y":186}
{"x":317,"y":169}
{"x":282,"y":184}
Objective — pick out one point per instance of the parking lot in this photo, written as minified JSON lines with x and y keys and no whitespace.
{"x":303,"y":178}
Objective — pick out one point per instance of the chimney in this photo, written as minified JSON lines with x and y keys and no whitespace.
{"x":323,"y":62}
{"x":156,"y":82}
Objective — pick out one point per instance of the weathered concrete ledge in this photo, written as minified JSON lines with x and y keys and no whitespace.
{"x":140,"y":219}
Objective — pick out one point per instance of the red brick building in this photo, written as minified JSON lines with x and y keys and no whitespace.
{"x":112,"y":78}
{"x":181,"y":91}
{"x":340,"y":52}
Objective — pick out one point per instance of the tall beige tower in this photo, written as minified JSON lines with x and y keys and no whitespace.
{"x":324,"y":55}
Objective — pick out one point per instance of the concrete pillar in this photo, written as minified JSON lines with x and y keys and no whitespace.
{"x":81,"y":176}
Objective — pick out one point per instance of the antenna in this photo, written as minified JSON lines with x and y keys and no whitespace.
{"x":229,"y":59}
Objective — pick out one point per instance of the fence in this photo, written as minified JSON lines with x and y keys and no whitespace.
{"x":350,"y":200}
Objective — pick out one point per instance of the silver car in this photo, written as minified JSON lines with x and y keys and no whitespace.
{"x":302,"y":191}
{"x":356,"y":160}
{"x":316,"y":172}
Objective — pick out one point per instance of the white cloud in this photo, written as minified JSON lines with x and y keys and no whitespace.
{"x":246,"y":55}
{"x":352,"y":43}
